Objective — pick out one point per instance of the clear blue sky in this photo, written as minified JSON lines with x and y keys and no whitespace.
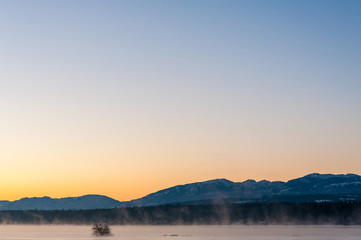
{"x":157,"y":93}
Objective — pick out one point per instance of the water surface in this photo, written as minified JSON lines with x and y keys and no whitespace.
{"x":234,"y":232}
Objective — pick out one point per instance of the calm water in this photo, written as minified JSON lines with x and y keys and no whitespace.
{"x":183,"y":232}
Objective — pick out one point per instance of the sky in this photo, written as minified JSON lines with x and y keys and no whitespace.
{"x":124,"y":98}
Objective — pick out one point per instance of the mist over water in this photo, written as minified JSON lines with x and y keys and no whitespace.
{"x":233,"y":232}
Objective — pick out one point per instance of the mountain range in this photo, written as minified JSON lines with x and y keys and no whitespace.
{"x":310,"y":188}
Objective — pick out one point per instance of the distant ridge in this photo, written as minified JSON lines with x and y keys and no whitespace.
{"x":314,"y":187}
{"x":69,"y":203}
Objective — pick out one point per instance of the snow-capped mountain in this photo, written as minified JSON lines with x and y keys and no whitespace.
{"x":312,"y":187}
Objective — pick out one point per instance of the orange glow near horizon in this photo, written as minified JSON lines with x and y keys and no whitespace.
{"x":126,"y":180}
{"x":75,"y":163}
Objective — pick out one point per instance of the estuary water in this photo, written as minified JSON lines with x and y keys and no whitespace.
{"x":233,"y":232}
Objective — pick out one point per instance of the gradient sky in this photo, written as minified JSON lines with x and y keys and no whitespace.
{"x":124,"y":98}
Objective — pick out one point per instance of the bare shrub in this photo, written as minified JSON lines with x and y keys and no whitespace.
{"x":101,"y":229}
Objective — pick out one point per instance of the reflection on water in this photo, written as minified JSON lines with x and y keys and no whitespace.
{"x":65,"y":232}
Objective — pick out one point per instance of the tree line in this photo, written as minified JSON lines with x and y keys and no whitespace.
{"x":340,"y":213}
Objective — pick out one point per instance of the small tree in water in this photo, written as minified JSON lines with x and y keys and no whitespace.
{"x":100,"y":229}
